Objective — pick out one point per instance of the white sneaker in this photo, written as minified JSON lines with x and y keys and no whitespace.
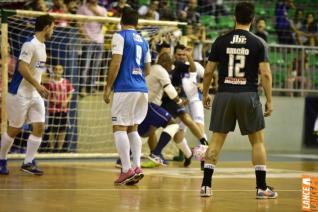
{"x":206,"y":191}
{"x":269,"y":193}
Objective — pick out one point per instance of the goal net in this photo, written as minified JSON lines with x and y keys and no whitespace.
{"x":84,"y":126}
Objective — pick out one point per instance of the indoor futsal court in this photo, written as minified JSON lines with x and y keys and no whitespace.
{"x":87,"y":185}
{"x":76,"y":147}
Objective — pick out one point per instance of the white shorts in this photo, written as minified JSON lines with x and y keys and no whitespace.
{"x":129,"y":108}
{"x":197,"y":111}
{"x":24,"y":110}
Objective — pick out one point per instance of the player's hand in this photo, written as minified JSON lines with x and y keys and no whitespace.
{"x":207,"y":101}
{"x":107,"y":93}
{"x":43,"y":91}
{"x":268,"y":109}
{"x":188,"y":52}
{"x":184,"y":102}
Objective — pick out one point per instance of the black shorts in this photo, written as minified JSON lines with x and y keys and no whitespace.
{"x":245,"y":107}
{"x":57,"y":122}
{"x":172,"y":107}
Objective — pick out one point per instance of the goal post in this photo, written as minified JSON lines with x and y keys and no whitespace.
{"x":88,"y":129}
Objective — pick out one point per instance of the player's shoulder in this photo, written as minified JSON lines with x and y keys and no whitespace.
{"x":258,"y":40}
{"x":224,"y":36}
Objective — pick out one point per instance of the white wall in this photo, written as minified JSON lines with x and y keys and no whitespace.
{"x":283,"y":132}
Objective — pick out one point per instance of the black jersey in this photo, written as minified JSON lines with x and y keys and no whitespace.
{"x":238,"y":54}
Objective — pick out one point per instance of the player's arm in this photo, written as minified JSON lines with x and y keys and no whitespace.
{"x":117,"y":51}
{"x":167,"y":86}
{"x":266,"y":79}
{"x":147,"y":63}
{"x":207,"y":78}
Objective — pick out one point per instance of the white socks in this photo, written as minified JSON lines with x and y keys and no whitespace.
{"x":6,"y":143}
{"x":135,"y":146}
{"x":184,"y":147}
{"x":260,"y":168}
{"x":123,"y":148}
{"x":33,"y":145}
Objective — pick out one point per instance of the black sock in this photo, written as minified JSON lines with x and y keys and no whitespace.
{"x":260,"y":179}
{"x":207,"y":177}
{"x":163,"y":141}
{"x":203,"y":141}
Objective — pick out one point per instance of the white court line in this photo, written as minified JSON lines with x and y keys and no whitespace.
{"x":131,"y":189}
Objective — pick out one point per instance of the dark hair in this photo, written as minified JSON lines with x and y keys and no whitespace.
{"x":260,"y":19}
{"x":129,"y":17}
{"x":164,"y":44}
{"x":244,"y":12}
{"x":179,"y":46}
{"x":42,"y":21}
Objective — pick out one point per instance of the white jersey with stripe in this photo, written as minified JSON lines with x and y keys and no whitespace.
{"x":33,"y":52}
{"x":156,"y":81}
{"x":189,"y":83}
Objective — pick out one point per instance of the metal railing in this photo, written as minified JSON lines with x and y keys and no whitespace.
{"x":294,"y":69}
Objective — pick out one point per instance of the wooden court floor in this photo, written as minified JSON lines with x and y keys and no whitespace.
{"x":88,"y":186}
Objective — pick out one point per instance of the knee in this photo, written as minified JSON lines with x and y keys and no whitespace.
{"x":38,"y":130}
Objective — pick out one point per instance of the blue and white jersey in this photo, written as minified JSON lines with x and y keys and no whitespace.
{"x":190,"y":83}
{"x":32,"y":52}
{"x":135,"y":53}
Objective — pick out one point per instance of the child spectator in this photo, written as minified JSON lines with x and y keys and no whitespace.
{"x":60,"y":95}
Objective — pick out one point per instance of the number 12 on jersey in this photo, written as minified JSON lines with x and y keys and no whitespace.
{"x":236,"y":64}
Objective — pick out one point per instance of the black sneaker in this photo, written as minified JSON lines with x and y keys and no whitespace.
{"x":187,"y":161}
{"x":31,"y":168}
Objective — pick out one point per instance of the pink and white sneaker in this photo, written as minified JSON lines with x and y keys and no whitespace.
{"x":125,"y":178}
{"x":139,"y":174}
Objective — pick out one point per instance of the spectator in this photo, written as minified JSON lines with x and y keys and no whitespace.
{"x":72,"y":6}
{"x":151,"y":11}
{"x":60,"y":95}
{"x":298,"y":73}
{"x":165,"y":12}
{"x":59,"y":7}
{"x":261,"y":29}
{"x":117,"y":7}
{"x":190,"y":13}
{"x":283,"y":25}
{"x":297,"y":25}
{"x":310,"y":30}
{"x":39,"y":5}
{"x":92,"y":46}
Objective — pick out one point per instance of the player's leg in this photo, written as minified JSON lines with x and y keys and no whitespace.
{"x":251,"y":122}
{"x":16,"y":109}
{"x":187,"y":120}
{"x":182,"y":144}
{"x":223,"y":120}
{"x":140,"y":110}
{"x":35,"y":116}
{"x":211,"y":159}
{"x":7,"y":140}
{"x":159,"y":117}
{"x":259,"y":161}
{"x":197,"y":114}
